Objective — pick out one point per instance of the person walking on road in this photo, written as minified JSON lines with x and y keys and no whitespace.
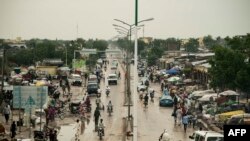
{"x":179,"y":116}
{"x":7,"y":112}
{"x":185,"y":121}
{"x":97,"y":114}
{"x":78,"y":130}
{"x":13,"y":129}
{"x":164,"y":136}
{"x":98,"y":102}
{"x":119,"y":75}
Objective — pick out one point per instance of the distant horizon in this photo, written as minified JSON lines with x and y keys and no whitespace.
{"x":214,"y":37}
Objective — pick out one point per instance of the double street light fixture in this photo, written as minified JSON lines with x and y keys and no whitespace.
{"x":132,"y":26}
{"x":135,"y":66}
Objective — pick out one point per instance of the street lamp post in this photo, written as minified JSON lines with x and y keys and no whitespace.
{"x":135,"y":68}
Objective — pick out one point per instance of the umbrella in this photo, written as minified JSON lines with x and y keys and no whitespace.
{"x":229,"y":93}
{"x":208,"y":97}
{"x":173,"y":79}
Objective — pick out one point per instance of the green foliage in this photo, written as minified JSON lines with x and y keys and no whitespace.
{"x":224,"y":68}
{"x":100,"y":45}
{"x":154,"y":54}
{"x":209,"y":41}
{"x":242,"y":79}
{"x":192,"y":45}
{"x":173,"y":44}
{"x":241,"y":44}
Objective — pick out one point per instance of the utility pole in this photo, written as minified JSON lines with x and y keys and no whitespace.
{"x":128,"y":75}
{"x":3,"y":66}
{"x":135,"y":75}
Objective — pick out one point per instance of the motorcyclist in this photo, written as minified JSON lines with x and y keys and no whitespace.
{"x":141,"y":95}
{"x":110,"y":106}
{"x":101,"y":126}
{"x":146,"y":99}
{"x":98,"y":102}
{"x":152,"y":92}
{"x":164,"y":136}
{"x":87,"y":102}
{"x":107,"y":89}
{"x":99,"y":92}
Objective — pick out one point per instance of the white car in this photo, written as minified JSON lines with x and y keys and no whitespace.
{"x":206,"y":136}
{"x":141,"y":87}
{"x":112,"y":78}
{"x":75,"y":79}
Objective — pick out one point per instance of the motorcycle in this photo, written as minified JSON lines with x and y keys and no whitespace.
{"x":60,"y":114}
{"x":56,"y":94}
{"x":110,"y":109}
{"x":141,"y":96}
{"x":100,"y":132}
{"x":145,"y":103}
{"x":107,"y":92}
{"x":87,"y":108}
{"x":152,"y":96}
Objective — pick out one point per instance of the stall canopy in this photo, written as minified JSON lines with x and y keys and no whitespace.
{"x":207,"y":97}
{"x":229,"y":93}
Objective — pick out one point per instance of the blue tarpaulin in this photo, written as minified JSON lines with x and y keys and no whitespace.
{"x":172,"y":71}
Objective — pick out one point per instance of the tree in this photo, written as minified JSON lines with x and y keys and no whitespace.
{"x":141,"y":46}
{"x":192,"y":45}
{"x":100,"y":45}
{"x":173,"y":44}
{"x":154,"y":54}
{"x":224,"y":68}
{"x":243,"y":81}
{"x":209,"y":41}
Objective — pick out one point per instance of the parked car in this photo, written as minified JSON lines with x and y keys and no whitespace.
{"x":239,"y":119}
{"x":166,"y":101}
{"x":92,"y":88}
{"x":112,"y":78}
{"x":206,"y":136}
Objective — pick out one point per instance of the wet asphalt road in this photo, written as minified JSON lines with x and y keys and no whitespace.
{"x":151,"y":120}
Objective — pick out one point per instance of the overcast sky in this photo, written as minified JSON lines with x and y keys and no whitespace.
{"x":53,"y":19}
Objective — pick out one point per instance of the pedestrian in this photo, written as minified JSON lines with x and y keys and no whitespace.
{"x":7,"y":112}
{"x":174,"y":114}
{"x":51,"y":113}
{"x":179,"y":116}
{"x":97,"y":114}
{"x":51,"y":135}
{"x":119,"y":75}
{"x":164,"y":136}
{"x":185,"y":121}
{"x":78,"y":130}
{"x":13,"y":129}
{"x":194,"y":120}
